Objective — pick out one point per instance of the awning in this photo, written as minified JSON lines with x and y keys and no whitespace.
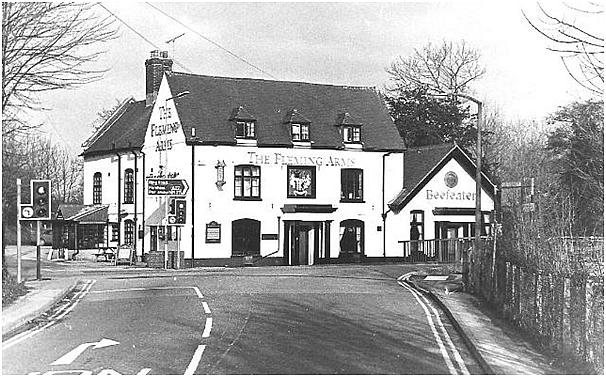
{"x":95,"y":214}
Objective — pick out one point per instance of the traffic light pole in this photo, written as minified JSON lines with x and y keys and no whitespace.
{"x":38,"y":246}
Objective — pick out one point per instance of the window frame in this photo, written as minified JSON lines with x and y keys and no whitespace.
{"x":248,"y":129}
{"x":358,"y":226}
{"x":97,"y":188}
{"x":352,"y":134}
{"x":358,"y":179}
{"x":420,"y":227}
{"x":312,"y":170}
{"x":241,"y":178}
{"x":129,"y":232}
{"x":300,"y":133}
{"x":115,"y":232}
{"x":129,"y":186}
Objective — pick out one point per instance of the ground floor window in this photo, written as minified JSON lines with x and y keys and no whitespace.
{"x":246,"y":237}
{"x":129,"y":232}
{"x":115,"y":232}
{"x":417,"y":230}
{"x":351,"y":236}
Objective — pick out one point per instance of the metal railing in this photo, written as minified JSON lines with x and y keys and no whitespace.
{"x":438,"y":250}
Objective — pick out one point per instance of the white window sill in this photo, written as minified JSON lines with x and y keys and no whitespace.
{"x":301,"y":144}
{"x":247,"y":142}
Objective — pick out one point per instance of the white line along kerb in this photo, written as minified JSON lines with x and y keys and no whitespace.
{"x":60,"y":313}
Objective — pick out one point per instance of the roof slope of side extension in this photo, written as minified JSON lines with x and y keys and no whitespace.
{"x":125,"y":130}
{"x":423,"y":163}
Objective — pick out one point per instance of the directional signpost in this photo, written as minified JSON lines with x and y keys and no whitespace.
{"x":164,"y":187}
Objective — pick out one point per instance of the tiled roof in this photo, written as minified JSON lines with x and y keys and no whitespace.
{"x":128,"y":131}
{"x":212,"y":100}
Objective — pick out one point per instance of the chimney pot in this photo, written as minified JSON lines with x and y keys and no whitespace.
{"x":158,"y":63}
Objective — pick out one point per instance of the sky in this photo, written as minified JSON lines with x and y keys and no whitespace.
{"x":337,"y":43}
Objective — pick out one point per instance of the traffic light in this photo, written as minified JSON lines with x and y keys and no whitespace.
{"x":180,"y":210}
{"x":41,"y":199}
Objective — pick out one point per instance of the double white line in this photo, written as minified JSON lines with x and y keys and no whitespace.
{"x":429,"y":309}
{"x":57,"y":315}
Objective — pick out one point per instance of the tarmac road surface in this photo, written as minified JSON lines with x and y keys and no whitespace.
{"x":262,"y":320}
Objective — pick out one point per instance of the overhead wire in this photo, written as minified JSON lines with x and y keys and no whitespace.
{"x":213,"y":42}
{"x":140,"y":35}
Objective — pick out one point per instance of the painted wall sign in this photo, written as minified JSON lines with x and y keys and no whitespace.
{"x":164,"y":129}
{"x":450,"y":195}
{"x":283,"y":159}
{"x":213,"y":232}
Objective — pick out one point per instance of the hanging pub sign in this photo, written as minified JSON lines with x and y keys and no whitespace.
{"x":301,"y":182}
{"x":213,"y":232}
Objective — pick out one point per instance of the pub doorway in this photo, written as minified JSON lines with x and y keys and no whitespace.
{"x":306,"y":242}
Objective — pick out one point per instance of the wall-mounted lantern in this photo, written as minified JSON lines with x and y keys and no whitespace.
{"x":220,"y":174}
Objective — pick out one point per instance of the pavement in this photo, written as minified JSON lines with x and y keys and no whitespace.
{"x":498,"y":349}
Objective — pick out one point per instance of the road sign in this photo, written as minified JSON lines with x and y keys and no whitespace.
{"x":162,"y":187}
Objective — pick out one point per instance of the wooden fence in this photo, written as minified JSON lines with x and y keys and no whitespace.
{"x":559,"y":298}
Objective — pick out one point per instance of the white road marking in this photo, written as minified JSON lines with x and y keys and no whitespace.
{"x":453,"y":349}
{"x":207,"y":327}
{"x":53,"y":319}
{"x":198,"y":293}
{"x":436,"y":277}
{"x":72,"y":355}
{"x":206,"y":308}
{"x":195,"y":360}
{"x":443,"y":350}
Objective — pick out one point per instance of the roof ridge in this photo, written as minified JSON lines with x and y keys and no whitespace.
{"x":356,"y":87}
{"x":432,"y":146}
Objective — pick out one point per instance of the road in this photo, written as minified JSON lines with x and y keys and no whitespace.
{"x":261,"y":320}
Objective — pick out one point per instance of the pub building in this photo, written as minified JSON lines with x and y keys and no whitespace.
{"x":229,"y":171}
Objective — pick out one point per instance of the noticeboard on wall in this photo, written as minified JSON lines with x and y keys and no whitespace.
{"x":213,"y":232}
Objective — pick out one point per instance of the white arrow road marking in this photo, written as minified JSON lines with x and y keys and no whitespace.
{"x":69,"y":357}
{"x":206,"y":308}
{"x":195,"y":360}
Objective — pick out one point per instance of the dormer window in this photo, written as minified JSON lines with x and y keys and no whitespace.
{"x":300,"y":132}
{"x":245,"y":130}
{"x":351,"y":134}
{"x":245,"y":125}
{"x":350,"y":128}
{"x":299,"y":128}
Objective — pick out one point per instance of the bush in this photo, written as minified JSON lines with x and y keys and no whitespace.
{"x":11,"y":290}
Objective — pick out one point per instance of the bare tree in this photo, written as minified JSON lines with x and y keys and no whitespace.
{"x":46,"y":46}
{"x":445,"y":68}
{"x":580,"y":45}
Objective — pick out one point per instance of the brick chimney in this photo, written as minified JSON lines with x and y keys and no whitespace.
{"x":155,"y":66}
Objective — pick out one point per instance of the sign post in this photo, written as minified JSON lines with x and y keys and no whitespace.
{"x":19,"y":231}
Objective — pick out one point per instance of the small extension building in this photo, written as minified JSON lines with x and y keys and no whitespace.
{"x":217,"y":171}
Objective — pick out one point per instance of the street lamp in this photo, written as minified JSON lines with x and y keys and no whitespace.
{"x":165,"y":170}
{"x":478,"y":202}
